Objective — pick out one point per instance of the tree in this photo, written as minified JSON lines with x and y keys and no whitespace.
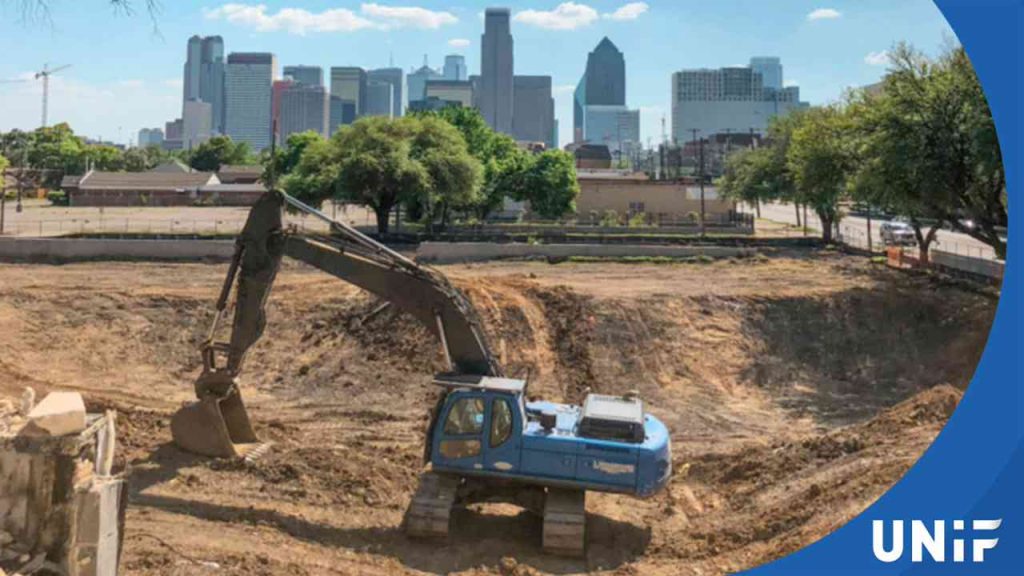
{"x":549,"y":184}
{"x":503,"y":162}
{"x":287,"y":158}
{"x":940,"y":107}
{"x":56,"y":148}
{"x":136,"y":160}
{"x":3,"y":164}
{"x":105,"y":158}
{"x":455,"y":175}
{"x":314,"y":177}
{"x":219,"y":151}
{"x":821,"y":161}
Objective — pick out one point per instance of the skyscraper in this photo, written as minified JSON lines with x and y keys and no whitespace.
{"x":348,"y":84}
{"x":380,"y":99}
{"x":726,"y":100}
{"x":193,"y":67}
{"x":455,"y":67}
{"x":276,"y":95}
{"x":770,"y":68}
{"x":248,"y":100}
{"x":603,"y":83}
{"x":204,"y":76}
{"x":197,"y":123}
{"x":308,"y":75}
{"x":303,"y":107}
{"x":617,"y":127}
{"x":150,"y":137}
{"x":533,"y":117}
{"x":497,"y":70}
{"x":417,"y":84}
{"x":396,"y":78}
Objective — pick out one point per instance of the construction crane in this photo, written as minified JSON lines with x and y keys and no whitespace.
{"x":45,"y":74}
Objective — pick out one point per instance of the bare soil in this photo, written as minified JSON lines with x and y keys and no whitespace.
{"x":797,"y":389}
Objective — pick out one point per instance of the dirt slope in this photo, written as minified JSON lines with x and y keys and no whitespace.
{"x":797,"y":390}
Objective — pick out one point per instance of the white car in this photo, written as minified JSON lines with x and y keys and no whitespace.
{"x":898,"y":233}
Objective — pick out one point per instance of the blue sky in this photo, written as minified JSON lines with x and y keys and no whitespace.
{"x":125,"y":76}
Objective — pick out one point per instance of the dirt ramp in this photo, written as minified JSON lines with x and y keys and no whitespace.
{"x":769,"y":501}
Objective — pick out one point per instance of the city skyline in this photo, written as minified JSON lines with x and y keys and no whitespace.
{"x":148,"y":95}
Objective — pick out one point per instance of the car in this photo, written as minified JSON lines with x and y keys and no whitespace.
{"x":898,"y":232}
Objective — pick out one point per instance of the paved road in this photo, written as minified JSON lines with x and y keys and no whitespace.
{"x":854,"y":229}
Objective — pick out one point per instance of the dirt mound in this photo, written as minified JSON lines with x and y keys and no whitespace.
{"x":783,"y":496}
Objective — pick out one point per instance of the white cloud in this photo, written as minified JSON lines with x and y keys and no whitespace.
{"x":300,"y":21}
{"x":291,"y":20}
{"x":407,"y":16}
{"x":459,"y":43}
{"x":630,"y":11}
{"x":178,"y":83}
{"x":824,"y":14}
{"x":565,"y":16}
{"x":130,"y":83}
{"x":563,"y":89}
{"x":880,"y":58}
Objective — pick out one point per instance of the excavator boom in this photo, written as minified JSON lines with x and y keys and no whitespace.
{"x":218,"y":424}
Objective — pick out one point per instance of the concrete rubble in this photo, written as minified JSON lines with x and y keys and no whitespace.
{"x":61,"y":506}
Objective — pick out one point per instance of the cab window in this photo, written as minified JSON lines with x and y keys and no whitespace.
{"x":466,"y":418}
{"x":501,"y":422}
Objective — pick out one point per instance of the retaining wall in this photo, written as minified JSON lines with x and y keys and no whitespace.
{"x":78,"y":249}
{"x":983,"y":267}
{"x":441,"y":252}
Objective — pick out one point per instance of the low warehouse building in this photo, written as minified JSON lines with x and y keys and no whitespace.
{"x":157,"y":189}
{"x":634,"y":193}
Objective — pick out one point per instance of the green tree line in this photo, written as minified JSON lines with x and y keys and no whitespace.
{"x":436,"y":165}
{"x":59,"y":149}
{"x":923,"y":145}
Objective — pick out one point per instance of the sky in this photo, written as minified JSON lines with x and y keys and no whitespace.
{"x":126,"y":69}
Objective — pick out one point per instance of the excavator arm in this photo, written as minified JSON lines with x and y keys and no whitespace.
{"x":218,"y":425}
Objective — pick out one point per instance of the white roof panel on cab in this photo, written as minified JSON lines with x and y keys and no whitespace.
{"x":473,"y":381}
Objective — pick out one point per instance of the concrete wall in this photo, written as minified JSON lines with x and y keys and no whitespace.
{"x":73,"y":249}
{"x":989,"y":268}
{"x":78,"y":198}
{"x":441,"y":253}
{"x":599,"y":195}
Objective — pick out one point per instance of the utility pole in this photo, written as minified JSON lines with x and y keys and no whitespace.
{"x":700,"y":177}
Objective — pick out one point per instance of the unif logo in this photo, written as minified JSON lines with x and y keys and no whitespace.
{"x":934,"y":540}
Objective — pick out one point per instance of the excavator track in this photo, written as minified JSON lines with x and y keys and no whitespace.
{"x":429,"y":513}
{"x":565,"y":518}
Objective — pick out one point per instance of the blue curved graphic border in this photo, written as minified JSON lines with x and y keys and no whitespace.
{"x":975,"y":469}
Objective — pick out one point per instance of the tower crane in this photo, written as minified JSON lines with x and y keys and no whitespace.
{"x":45,"y":74}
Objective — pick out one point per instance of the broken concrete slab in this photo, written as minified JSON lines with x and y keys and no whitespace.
{"x":57,"y":500}
{"x":60,"y":413}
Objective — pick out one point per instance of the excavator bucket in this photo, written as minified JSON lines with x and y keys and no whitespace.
{"x":216,"y":427}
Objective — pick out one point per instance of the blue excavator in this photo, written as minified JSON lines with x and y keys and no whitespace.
{"x":486,"y":442}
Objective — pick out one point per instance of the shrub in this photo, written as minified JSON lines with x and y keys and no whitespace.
{"x":610,"y":219}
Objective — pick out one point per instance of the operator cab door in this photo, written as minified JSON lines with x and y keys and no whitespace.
{"x":504,"y":434}
{"x":460,"y":438}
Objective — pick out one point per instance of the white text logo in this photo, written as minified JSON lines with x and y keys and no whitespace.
{"x":888,"y":547}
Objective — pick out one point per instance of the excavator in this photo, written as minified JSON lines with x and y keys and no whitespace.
{"x":485,"y":442}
